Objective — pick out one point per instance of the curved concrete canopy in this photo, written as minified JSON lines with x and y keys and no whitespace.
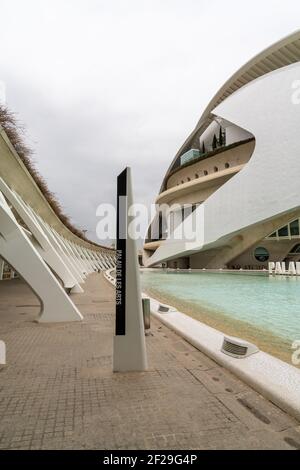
{"x":37,"y":241}
{"x":17,"y":177}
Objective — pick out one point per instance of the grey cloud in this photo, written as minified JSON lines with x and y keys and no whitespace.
{"x":101,"y":85}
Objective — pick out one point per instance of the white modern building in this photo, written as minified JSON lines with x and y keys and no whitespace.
{"x":37,"y":242}
{"x":231,"y":196}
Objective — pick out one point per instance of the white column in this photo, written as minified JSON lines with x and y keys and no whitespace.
{"x":100,"y":258}
{"x":85,"y":260}
{"x":95,"y":258}
{"x":129,"y":350}
{"x":56,"y":242}
{"x":89,"y":260}
{"x":112,"y":261}
{"x":69,"y":254}
{"x":107,"y":261}
{"x":73,"y":252}
{"x":77,"y":257}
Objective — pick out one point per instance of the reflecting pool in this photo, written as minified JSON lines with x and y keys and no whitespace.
{"x":260,"y":308}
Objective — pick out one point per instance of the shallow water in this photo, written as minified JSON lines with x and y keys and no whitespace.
{"x":260,"y":308}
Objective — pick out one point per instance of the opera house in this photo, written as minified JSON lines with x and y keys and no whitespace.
{"x":237,"y":175}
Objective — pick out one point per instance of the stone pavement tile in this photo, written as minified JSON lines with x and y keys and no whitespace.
{"x":253,"y":422}
{"x":217,"y":380}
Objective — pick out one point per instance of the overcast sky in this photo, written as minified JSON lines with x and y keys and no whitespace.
{"x":101,"y":84}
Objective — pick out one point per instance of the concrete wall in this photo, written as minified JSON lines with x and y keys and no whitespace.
{"x":181,"y":263}
{"x":278,"y":251}
{"x":235,"y":134}
{"x":195,"y":197}
{"x":202,"y":259}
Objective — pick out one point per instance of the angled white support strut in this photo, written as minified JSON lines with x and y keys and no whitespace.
{"x":18,"y":251}
{"x":41,"y":241}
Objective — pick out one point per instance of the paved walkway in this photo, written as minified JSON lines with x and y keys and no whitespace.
{"x":58,"y":392}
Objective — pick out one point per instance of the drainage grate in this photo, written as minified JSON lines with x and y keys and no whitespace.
{"x":235,"y":349}
{"x":163,"y":309}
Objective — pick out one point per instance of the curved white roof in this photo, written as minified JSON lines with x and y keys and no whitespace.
{"x":280,"y":54}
